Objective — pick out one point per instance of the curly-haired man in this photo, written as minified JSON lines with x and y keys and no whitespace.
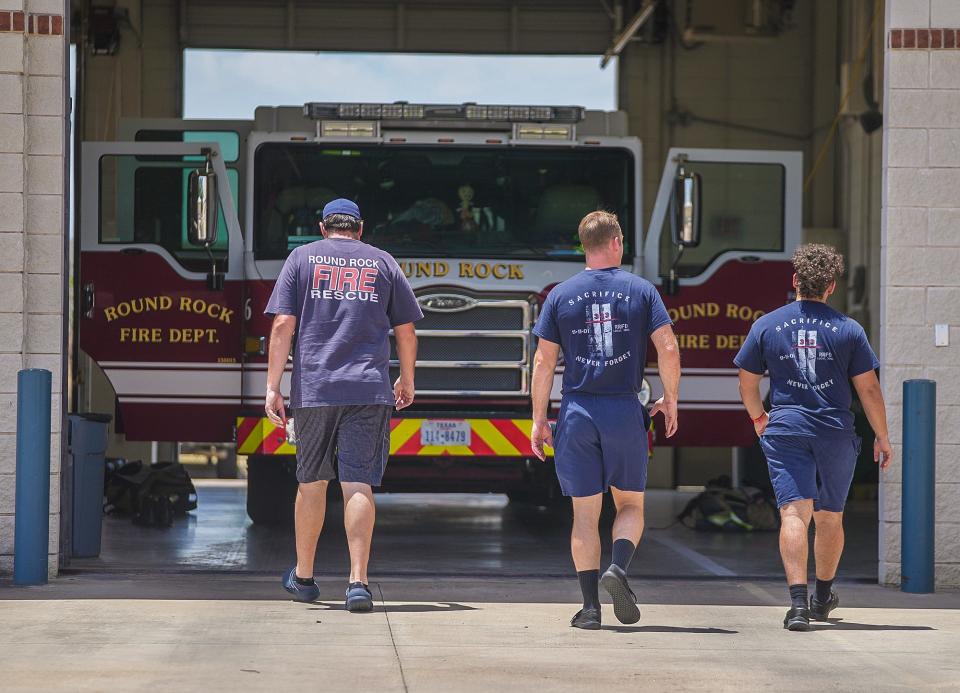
{"x":812,"y":353}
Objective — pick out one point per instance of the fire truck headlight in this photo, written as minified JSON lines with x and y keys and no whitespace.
{"x":644,"y":394}
{"x":538,"y":131}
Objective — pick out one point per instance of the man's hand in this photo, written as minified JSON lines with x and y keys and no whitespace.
{"x":405,"y":336}
{"x":668,"y":365}
{"x":760,"y":425}
{"x":669,"y":410}
{"x":281,"y":336}
{"x":749,"y":385}
{"x":540,"y":434}
{"x":274,"y":408}
{"x":403,"y":392}
{"x":871,"y":396}
{"x":882,"y":451}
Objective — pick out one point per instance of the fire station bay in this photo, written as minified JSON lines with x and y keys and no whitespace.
{"x":140,"y":246}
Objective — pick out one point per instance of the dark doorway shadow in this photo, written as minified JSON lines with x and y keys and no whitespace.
{"x":399,"y":608}
{"x":670,"y":629}
{"x":840,"y":624}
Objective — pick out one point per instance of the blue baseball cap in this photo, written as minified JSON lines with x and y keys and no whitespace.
{"x":341,"y":206}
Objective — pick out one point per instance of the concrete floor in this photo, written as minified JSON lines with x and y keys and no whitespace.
{"x":226,"y":632}
{"x":473,"y":594}
{"x":453,"y":535}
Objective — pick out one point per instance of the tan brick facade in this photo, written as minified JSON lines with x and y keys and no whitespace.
{"x":32,"y":133}
{"x":921,"y":251}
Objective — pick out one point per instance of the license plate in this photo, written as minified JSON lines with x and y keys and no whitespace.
{"x":445,"y":433}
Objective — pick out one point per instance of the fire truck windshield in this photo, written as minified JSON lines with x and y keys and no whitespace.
{"x":423,"y":201}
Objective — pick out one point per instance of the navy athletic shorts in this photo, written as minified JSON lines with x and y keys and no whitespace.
{"x":347,"y":442}
{"x":820,"y":468}
{"x":601,"y":441}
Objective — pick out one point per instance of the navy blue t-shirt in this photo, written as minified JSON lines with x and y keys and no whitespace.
{"x":346,"y":296}
{"x":811,"y":352}
{"x":602,"y":320}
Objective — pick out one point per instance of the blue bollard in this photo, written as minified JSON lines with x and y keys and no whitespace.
{"x":919,"y":477}
{"x":32,"y":523}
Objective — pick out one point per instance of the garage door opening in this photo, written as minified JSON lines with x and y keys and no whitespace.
{"x":231,"y":84}
{"x":142,"y":204}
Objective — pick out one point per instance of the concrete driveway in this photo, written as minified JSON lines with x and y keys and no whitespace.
{"x":238,"y":632}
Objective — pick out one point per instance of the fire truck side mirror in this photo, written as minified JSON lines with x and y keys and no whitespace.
{"x":684,"y":222}
{"x":686,"y":209}
{"x":202,"y":205}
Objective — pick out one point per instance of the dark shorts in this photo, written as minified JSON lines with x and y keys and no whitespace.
{"x":819,"y":468}
{"x":601,"y":441}
{"x":350,"y":443}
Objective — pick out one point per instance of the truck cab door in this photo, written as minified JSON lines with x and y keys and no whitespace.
{"x":750,"y":212}
{"x":167,"y":337}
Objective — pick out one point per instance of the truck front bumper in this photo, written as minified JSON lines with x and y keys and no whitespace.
{"x":498,"y":437}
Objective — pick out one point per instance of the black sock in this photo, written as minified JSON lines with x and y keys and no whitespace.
{"x":623,"y":553}
{"x":823,"y":589}
{"x":590,"y":587}
{"x":306,"y":582}
{"x":798,"y":596}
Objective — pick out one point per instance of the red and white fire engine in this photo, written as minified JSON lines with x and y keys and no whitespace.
{"x":185,"y":225}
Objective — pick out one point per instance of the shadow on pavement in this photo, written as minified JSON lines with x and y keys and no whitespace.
{"x":840,"y":624}
{"x":416,"y":608}
{"x":399,"y":608}
{"x":669,"y":629}
{"x":245,"y":586}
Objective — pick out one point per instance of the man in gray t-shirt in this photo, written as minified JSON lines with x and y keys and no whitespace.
{"x":341,"y":297}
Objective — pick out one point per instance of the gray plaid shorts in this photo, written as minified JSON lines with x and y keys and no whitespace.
{"x":349,"y":442}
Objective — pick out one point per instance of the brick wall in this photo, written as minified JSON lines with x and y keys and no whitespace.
{"x":921,"y":254}
{"x":32,"y":131}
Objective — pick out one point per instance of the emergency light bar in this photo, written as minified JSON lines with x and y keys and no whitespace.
{"x":443,"y":112}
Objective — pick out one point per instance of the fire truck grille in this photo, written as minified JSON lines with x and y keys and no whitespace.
{"x":479,"y":349}
{"x":481,"y":317}
{"x":483,"y":349}
{"x":463,"y":381}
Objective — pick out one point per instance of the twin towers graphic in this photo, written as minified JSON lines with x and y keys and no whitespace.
{"x":806,"y":346}
{"x":600,"y":340}
{"x":600,"y":330}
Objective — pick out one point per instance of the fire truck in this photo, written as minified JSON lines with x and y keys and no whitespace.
{"x":185,"y":225}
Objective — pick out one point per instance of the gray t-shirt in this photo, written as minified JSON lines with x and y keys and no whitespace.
{"x":346,"y":295}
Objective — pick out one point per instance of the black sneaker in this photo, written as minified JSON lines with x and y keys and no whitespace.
{"x":587,"y":619}
{"x":819,"y":611}
{"x":797,"y":618}
{"x":359,"y":597}
{"x":625,"y":608}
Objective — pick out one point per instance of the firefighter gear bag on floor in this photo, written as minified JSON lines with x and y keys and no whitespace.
{"x":720,"y":508}
{"x":152,"y":494}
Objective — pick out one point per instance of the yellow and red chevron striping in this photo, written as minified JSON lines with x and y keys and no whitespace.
{"x":258,"y":436}
{"x":488,"y":438}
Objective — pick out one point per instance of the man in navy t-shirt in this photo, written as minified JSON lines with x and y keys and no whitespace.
{"x":602,"y":319}
{"x":812,"y":353}
{"x":341,"y":297}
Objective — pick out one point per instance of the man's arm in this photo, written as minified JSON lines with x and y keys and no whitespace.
{"x":281,"y":336}
{"x":668,"y":366}
{"x":752,"y":401}
{"x":404,"y":390}
{"x":868,"y":388}
{"x":544,"y":366}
